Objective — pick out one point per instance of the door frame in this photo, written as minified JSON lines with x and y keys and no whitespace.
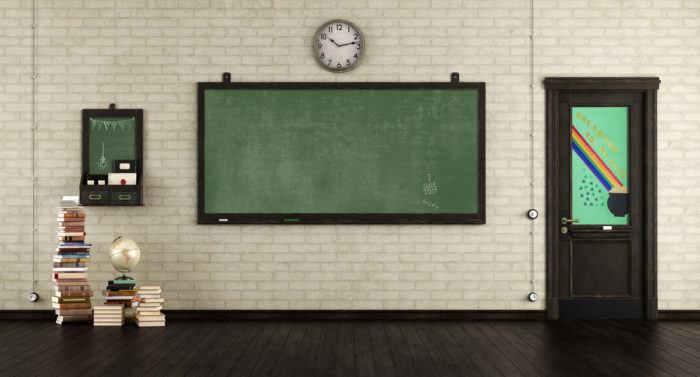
{"x":646,"y":87}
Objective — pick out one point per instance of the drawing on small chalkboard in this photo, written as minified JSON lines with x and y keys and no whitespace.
{"x":111,"y":139}
{"x":102,"y":161}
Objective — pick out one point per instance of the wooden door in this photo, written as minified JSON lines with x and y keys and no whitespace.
{"x":601,"y":198}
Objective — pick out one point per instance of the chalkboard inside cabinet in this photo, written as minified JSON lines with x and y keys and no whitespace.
{"x":112,"y":166}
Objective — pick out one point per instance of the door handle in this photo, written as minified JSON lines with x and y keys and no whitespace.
{"x":565,"y":221}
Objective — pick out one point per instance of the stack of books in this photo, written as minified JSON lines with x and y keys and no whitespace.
{"x":148,"y":307}
{"x":109,"y":315}
{"x":71,"y":297}
{"x":120,"y":292}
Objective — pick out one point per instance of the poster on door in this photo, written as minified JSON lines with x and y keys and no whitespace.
{"x":599,"y":165}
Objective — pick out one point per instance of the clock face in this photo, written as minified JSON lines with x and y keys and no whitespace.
{"x":338,"y":46}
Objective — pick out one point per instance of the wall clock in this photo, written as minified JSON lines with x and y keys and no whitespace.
{"x":338,"y":46}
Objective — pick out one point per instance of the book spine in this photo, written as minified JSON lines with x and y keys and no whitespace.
{"x":73,"y":305}
{"x":70,"y":275}
{"x":87,"y":293}
{"x":71,"y":238}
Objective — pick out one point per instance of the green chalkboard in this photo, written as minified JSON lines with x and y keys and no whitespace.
{"x":111,"y":138}
{"x":341,"y":153}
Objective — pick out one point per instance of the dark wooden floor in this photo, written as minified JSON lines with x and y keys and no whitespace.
{"x":353,"y":348}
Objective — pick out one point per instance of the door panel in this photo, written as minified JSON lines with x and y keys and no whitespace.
{"x":599,"y":174}
{"x":601,"y":268}
{"x":601,"y":197}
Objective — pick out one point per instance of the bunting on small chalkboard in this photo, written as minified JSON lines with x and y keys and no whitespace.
{"x":98,"y":124}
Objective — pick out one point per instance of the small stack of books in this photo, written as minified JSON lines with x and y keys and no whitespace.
{"x":109,"y":315}
{"x":120,"y":292}
{"x":71,"y":298}
{"x":148,"y":307}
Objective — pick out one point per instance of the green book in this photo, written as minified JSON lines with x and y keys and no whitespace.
{"x":127,"y":281}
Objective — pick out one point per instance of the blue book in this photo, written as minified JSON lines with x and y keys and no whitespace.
{"x":122,"y":288}
{"x":70,"y":256}
{"x":125,"y":281}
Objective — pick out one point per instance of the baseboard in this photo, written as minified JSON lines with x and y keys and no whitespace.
{"x":311,"y":315}
{"x":27,"y":315}
{"x":679,"y":315}
{"x":324,"y":315}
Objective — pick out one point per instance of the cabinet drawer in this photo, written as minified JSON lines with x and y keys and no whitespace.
{"x":124,"y":198}
{"x":94,"y":197}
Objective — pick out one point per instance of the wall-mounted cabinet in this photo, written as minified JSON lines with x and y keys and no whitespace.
{"x":112,"y":157}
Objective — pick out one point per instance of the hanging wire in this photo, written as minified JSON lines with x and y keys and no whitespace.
{"x":532,"y":142}
{"x":34,"y":130}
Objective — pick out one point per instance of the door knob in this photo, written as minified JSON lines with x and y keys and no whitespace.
{"x":565,"y":221}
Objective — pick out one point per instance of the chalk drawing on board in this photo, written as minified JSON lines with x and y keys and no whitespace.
{"x":430,"y":187}
{"x":113,"y":124}
{"x":430,"y":204}
{"x":430,"y":190}
{"x":102,"y":161}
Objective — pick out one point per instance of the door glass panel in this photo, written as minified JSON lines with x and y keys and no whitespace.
{"x":599,"y":165}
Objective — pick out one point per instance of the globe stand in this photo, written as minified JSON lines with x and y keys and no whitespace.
{"x":123,"y":277}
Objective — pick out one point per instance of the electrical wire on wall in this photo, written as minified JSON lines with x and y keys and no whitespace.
{"x":532,"y":145}
{"x":33,"y":296}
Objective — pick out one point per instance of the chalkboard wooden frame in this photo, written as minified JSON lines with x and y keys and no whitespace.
{"x":478,"y":217}
{"x":112,"y":195}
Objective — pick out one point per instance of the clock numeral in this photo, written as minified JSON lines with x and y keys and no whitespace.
{"x":347,"y":62}
{"x":339,"y":66}
{"x":339,"y":26}
{"x":355,"y":36}
{"x":323,"y":56}
{"x":329,"y":62}
{"x":319,"y":46}
{"x":323,"y":37}
{"x":359,"y":46}
{"x":330,"y":29}
{"x":355,"y":56}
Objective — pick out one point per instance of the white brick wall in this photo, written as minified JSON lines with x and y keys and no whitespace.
{"x":150,"y":55}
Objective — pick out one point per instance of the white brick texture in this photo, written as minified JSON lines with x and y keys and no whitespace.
{"x":150,"y":55}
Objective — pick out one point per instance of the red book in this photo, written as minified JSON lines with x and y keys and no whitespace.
{"x":73,"y":294}
{"x":71,"y":228}
{"x":72,"y":305}
{"x":71,"y":224}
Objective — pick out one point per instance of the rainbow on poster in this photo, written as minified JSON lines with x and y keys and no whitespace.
{"x":593,"y":161}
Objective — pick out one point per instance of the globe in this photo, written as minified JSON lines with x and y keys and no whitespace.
{"x":124,"y":254}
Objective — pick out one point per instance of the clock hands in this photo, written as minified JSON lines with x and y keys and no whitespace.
{"x":335,"y":43}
